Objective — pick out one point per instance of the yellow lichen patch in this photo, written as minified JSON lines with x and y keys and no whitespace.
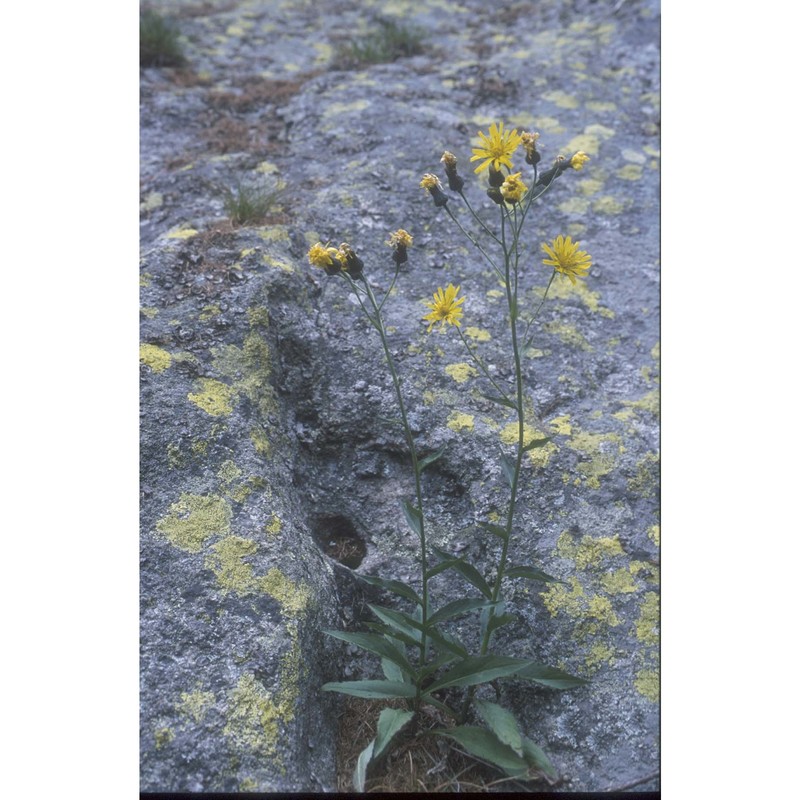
{"x":630,"y":172}
{"x":561,"y":425}
{"x":260,"y":441}
{"x":561,"y":290}
{"x":460,"y":373}
{"x":293,"y":598}
{"x":228,"y":472}
{"x":600,"y":609}
{"x":175,"y":457}
{"x":248,"y":784}
{"x":478,"y":334}
{"x":208,"y":312}
{"x":274,"y":526}
{"x":557,"y":598}
{"x":460,"y":422}
{"x":619,"y":581}
{"x":258,"y":315}
{"x":278,"y":263}
{"x":148,"y":311}
{"x":590,"y":186}
{"x":241,"y":492}
{"x":163,"y":737}
{"x":194,"y":519}
{"x":344,"y":108}
{"x":648,"y":684}
{"x":562,"y":99}
{"x":227,"y":562}
{"x":647,"y":624}
{"x":650,"y":403}
{"x":647,"y":473}
{"x":153,"y":201}
{"x":600,"y":106}
{"x":601,"y":449}
{"x":267,"y":168}
{"x":182,"y":233}
{"x":213,"y":397}
{"x":654,"y":534}
{"x":495,"y":293}
{"x":574,"y":205}
{"x":195,"y":704}
{"x":634,"y":156}
{"x":253,"y":717}
{"x":324,"y":52}
{"x":144,"y":280}
{"x":540,"y":456}
{"x":248,"y":367}
{"x":154,"y":357}
{"x":277,"y":233}
{"x":568,"y":335}
{"x":608,"y":205}
{"x":588,"y":552}
{"x":549,"y":126}
{"x":533,"y":352}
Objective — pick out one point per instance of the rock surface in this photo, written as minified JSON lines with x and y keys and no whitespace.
{"x":265,"y":449}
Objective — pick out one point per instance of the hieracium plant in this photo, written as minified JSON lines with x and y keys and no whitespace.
{"x":432,"y":672}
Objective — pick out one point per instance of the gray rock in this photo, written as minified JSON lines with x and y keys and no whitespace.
{"x":264,"y":442}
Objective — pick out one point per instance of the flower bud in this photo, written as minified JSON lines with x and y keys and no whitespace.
{"x":352,"y":264}
{"x":400,"y":240}
{"x":454,"y":180}
{"x":434,"y":186}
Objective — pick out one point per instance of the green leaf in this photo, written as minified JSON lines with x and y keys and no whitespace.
{"x":497,"y":530}
{"x":532,"y":573}
{"x":484,"y":744}
{"x":386,"y":630}
{"x":393,"y":672}
{"x":390,"y":723}
{"x":534,"y":443}
{"x":473,"y":576}
{"x":372,"y":689}
{"x":399,"y":621}
{"x":479,"y":669}
{"x":502,"y":723}
{"x":498,"y":620}
{"x":428,"y":460}
{"x":507,"y":465}
{"x":449,"y":642}
{"x":549,"y":676}
{"x":413,"y":517}
{"x":535,"y":756}
{"x":458,"y":607}
{"x":432,"y":666}
{"x":375,"y":644}
{"x":360,"y":772}
{"x":442,"y":566}
{"x":401,"y":589}
{"x":503,"y":401}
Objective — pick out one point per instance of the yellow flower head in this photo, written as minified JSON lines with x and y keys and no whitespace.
{"x":513,"y":188}
{"x":566,"y":258}
{"x":400,"y":238}
{"x":578,"y":160}
{"x":321,"y":256}
{"x":430,"y":182}
{"x":445,"y":308}
{"x":496,"y":148}
{"x":449,"y":160}
{"x":529,"y":141}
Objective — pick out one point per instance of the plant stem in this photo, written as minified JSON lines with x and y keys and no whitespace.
{"x":474,"y":241}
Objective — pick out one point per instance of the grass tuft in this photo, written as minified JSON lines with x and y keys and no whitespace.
{"x":388,"y":42}
{"x":158,"y":41}
{"x":248,"y":203}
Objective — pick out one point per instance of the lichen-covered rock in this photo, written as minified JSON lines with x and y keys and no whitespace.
{"x":267,"y":442}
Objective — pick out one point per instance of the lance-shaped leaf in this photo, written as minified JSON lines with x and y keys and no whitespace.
{"x":479,"y":669}
{"x":360,"y":772}
{"x":372,"y":689}
{"x":387,"y":630}
{"x":535,"y":756}
{"x":413,"y":517}
{"x":447,"y":641}
{"x":432,"y":666}
{"x":503,"y":401}
{"x":507,"y":466}
{"x":458,"y":607}
{"x":534,"y":443}
{"x":390,"y":723}
{"x":533,"y":574}
{"x":429,"y":459}
{"x":401,"y":589}
{"x":484,"y":744}
{"x":502,"y":723}
{"x":392,"y":672}
{"x":498,"y":620}
{"x":399,"y":621}
{"x":497,"y":530}
{"x":375,"y":644}
{"x":549,"y":676}
{"x":464,"y":569}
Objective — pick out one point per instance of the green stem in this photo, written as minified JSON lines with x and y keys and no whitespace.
{"x":481,"y":366}
{"x":474,"y":241}
{"x":480,"y":222}
{"x":536,"y":313}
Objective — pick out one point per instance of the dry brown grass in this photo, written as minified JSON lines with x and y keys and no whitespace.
{"x":418,"y":763}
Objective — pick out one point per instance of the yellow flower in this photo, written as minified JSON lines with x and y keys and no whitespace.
{"x":578,"y":160}
{"x":321,"y":256}
{"x":430,"y":182}
{"x":497,"y":148}
{"x":449,"y":160}
{"x":566,"y":258}
{"x":400,"y":238}
{"x":445,"y":308}
{"x":513,"y":188}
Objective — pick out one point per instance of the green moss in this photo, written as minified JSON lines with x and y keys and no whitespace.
{"x":194,"y":519}
{"x":647,"y":624}
{"x":154,"y":357}
{"x":195,"y":704}
{"x":213,"y":397}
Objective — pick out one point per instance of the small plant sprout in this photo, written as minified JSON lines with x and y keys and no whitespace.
{"x":433,"y":674}
{"x":159,"y":43}
{"x":249,"y":203}
{"x":387,"y":42}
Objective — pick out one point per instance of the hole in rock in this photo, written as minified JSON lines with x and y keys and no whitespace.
{"x":337,"y":537}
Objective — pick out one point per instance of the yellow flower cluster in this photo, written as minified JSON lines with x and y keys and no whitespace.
{"x":566,"y":258}
{"x":445,"y":308}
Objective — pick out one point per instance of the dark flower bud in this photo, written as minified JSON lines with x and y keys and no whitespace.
{"x":353,"y":265}
{"x":496,"y":195}
{"x":496,"y":178}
